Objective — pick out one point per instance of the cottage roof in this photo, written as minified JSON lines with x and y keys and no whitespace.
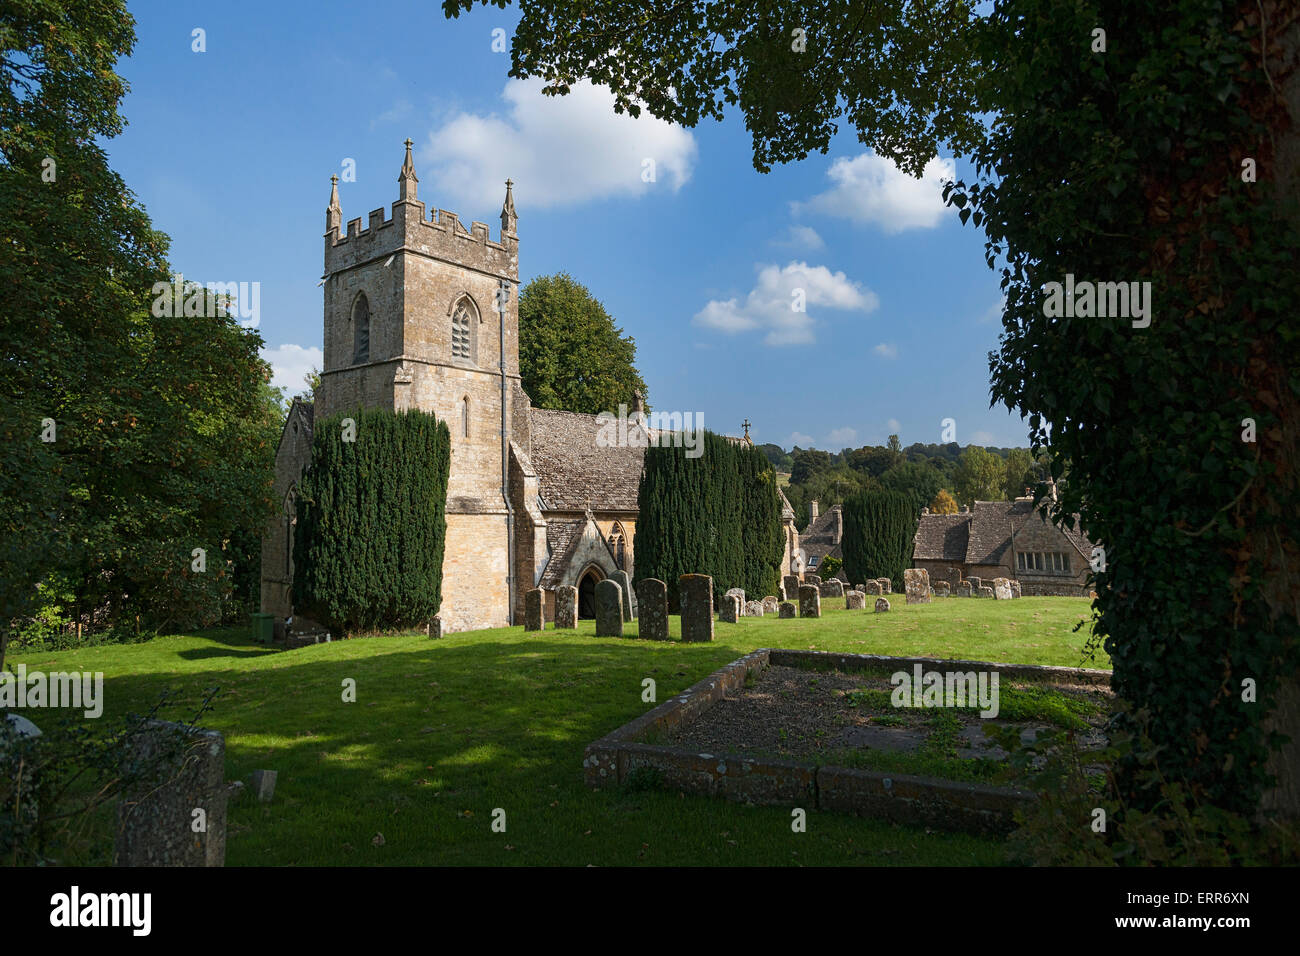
{"x":981,"y":535}
{"x":822,"y":537}
{"x":575,"y":472}
{"x":942,"y":537}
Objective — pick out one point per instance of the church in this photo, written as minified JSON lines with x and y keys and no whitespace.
{"x":422,"y":313}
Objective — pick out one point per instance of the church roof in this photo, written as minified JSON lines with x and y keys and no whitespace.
{"x":562,"y":537}
{"x":575,"y":472}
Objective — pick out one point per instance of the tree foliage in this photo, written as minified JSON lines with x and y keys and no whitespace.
{"x":879,"y":527}
{"x":943,"y":503}
{"x":368,"y":544}
{"x":981,"y":476}
{"x":571,"y":354}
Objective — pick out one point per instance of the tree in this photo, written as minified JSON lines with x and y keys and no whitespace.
{"x":808,"y":462}
{"x":571,"y":354}
{"x":943,"y":503}
{"x":372,"y":526}
{"x":879,"y":527}
{"x":874,"y":461}
{"x":981,"y":476}
{"x":920,"y":483}
{"x":1126,"y":166}
{"x":1019,"y":474}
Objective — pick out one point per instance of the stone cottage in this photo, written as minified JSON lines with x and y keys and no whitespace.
{"x":1003,"y":539}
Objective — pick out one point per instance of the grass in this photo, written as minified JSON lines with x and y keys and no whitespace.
{"x":445,"y":732}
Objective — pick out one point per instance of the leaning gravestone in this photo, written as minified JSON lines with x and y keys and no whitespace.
{"x":886,"y":585}
{"x":729,"y":612}
{"x":534,"y":601}
{"x":855,"y":600}
{"x":916,"y":581}
{"x":754,"y":609}
{"x":882,"y":604}
{"x":810,"y":601}
{"x":177,"y":770}
{"x":786,"y":609}
{"x":609,"y":608}
{"x":769,"y":604}
{"x":652,"y":606}
{"x":624,"y":582}
{"x":566,"y":607}
{"x":872,"y":587}
{"x":790,"y":584}
{"x":986,"y":592}
{"x":831,"y":588}
{"x":740,"y":593}
{"x":697,"y":607}
{"x":1002,"y":589}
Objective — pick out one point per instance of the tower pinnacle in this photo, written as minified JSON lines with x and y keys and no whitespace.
{"x":407,"y":180}
{"x":333,"y":214}
{"x":509,"y":220}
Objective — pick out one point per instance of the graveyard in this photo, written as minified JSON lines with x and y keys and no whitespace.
{"x":444,"y":733}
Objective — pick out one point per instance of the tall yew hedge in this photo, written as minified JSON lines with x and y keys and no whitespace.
{"x":879,"y":527}
{"x":718,"y":514}
{"x":372,"y":523}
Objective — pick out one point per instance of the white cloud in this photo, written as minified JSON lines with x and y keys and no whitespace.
{"x":802,"y":440}
{"x":982,"y":438}
{"x":886,"y":351}
{"x":289,"y":363}
{"x":994,"y":312}
{"x":871,"y":189}
{"x":770,"y":304}
{"x":559,"y":150}
{"x":800,"y":237}
{"x":894,"y":426}
{"x":842,"y":436}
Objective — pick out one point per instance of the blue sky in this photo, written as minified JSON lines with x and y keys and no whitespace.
{"x":231,"y":151}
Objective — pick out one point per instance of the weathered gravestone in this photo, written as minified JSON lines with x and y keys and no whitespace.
{"x":813,"y":579}
{"x":566,"y":606}
{"x":831,"y":588}
{"x":886,"y":585}
{"x":754,"y":609}
{"x":609,"y":608}
{"x":790,"y":585}
{"x":872,"y":587}
{"x":942,"y":588}
{"x":697,"y":607}
{"x":434,"y":626}
{"x":769,"y":604}
{"x":882,"y":604}
{"x":729,"y":612}
{"x":786,"y":609}
{"x":740,"y":593}
{"x":534,"y":602}
{"x":855,"y":600}
{"x":916,"y":582}
{"x":963,"y":589}
{"x":810,"y":601}
{"x":975,"y":584}
{"x":177,"y":770}
{"x":625,"y":583}
{"x":652,"y":606}
{"x":1002,"y":589}
{"x":1015,"y":588}
{"x":986,"y":592}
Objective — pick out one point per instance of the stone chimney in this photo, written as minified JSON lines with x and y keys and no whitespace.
{"x":812,"y":510}
{"x":839,"y":523}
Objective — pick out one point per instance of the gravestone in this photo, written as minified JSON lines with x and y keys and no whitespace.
{"x":1015,"y":588}
{"x":986,"y":592}
{"x":975,"y":583}
{"x":916,"y":582}
{"x":534,"y":601}
{"x":566,"y":607}
{"x":872,"y":587}
{"x":786,"y":609}
{"x":963,"y":589}
{"x":434,"y":626}
{"x":810,"y":601}
{"x":609,"y":608}
{"x":697,"y":607}
{"x":729,"y":612}
{"x":813,"y":579}
{"x":942,"y":588}
{"x":740,"y":593}
{"x":181,"y":770}
{"x":882,"y":604}
{"x":652,"y":606}
{"x":831,"y":588}
{"x":886,"y":585}
{"x":1002,"y":589}
{"x":855,"y":600}
{"x":625,"y":583}
{"x":769,"y":604}
{"x":790,"y":585}
{"x":754,"y":609}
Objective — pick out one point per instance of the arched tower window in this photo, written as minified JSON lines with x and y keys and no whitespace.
{"x":464,"y":320}
{"x":360,"y":329}
{"x":617,"y":545}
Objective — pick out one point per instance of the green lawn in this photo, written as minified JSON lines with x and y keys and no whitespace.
{"x":445,"y":731}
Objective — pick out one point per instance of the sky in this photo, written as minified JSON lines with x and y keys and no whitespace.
{"x":695,"y":254}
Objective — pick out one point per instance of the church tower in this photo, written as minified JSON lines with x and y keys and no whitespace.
{"x":421,"y":313}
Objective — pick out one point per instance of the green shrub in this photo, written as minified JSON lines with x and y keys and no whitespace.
{"x":878,"y":531}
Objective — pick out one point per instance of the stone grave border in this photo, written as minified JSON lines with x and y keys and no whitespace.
{"x":902,"y":798}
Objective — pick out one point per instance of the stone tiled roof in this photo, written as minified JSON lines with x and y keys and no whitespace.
{"x":990,"y":529}
{"x":820,"y":538}
{"x":562,"y":537}
{"x":942,"y":538}
{"x":574,"y":471}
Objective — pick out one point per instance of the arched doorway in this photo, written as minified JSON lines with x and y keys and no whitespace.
{"x":587,"y":593}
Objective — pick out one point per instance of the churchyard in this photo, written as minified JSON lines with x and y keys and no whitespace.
{"x":469,"y":749}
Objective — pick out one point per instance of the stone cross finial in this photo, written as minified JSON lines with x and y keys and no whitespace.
{"x":408,"y":179}
{"x":745,"y":425}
